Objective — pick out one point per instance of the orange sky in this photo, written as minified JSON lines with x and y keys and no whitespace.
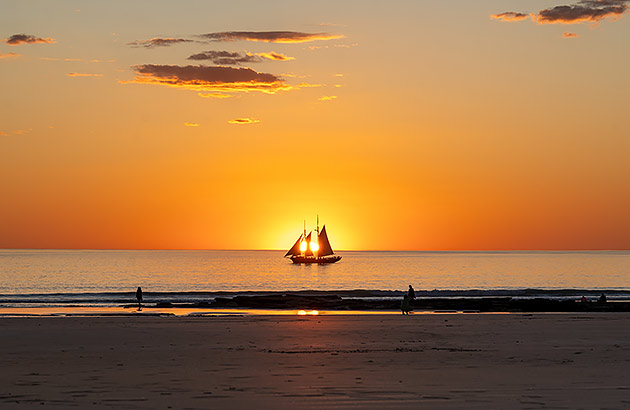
{"x":400,"y":129}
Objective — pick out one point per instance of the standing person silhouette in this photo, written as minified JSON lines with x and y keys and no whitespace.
{"x":139,"y":297}
{"x":412,"y":296}
{"x":411,"y":293}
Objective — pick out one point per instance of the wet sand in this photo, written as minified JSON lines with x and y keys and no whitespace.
{"x":476,"y":361}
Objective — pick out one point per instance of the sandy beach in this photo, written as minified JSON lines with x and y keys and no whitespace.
{"x":354,"y":361}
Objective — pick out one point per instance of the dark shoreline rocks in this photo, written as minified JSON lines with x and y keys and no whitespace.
{"x":334,"y":302}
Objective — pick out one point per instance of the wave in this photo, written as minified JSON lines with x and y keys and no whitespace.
{"x":121,"y":298}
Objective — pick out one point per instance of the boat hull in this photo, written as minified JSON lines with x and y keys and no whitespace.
{"x":312,"y":259}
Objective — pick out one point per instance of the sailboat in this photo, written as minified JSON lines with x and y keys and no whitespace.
{"x":312,"y":250}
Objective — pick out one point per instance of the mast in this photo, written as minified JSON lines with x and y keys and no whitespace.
{"x":316,"y":253}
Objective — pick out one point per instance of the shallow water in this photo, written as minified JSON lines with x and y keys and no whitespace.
{"x":25,"y":272}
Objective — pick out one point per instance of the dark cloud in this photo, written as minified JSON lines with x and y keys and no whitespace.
{"x":584,"y":11}
{"x":226,"y":57}
{"x":205,"y":78}
{"x":269,"y":36}
{"x":18,"y":39}
{"x":158,"y":42}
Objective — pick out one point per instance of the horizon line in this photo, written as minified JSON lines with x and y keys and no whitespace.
{"x":339,"y":250}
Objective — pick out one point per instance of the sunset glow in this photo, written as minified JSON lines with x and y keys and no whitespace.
{"x":223,"y":126}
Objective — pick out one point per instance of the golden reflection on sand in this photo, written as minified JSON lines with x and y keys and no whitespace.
{"x":148,"y":311}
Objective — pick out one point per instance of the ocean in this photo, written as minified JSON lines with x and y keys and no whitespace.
{"x":110,"y":277}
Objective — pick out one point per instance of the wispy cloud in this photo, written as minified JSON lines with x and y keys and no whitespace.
{"x":568,"y":34}
{"x":327,"y":98}
{"x":214,"y":95}
{"x":191,"y":124}
{"x":270,"y":36}
{"x":158,"y":42}
{"x":9,"y":55}
{"x":205,"y":78}
{"x":510,"y":16}
{"x":76,"y":60}
{"x":83,"y":75}
{"x":584,"y":11}
{"x":275,"y":56}
{"x":226,"y":57}
{"x":3,"y":134}
{"x":22,"y":132}
{"x":18,"y":39}
{"x":236,"y":58}
{"x":243,"y":121}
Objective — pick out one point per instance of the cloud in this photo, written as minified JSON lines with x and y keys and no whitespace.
{"x":158,"y":42}
{"x":226,"y":57}
{"x":83,"y":75}
{"x":236,"y":58}
{"x":18,"y":39}
{"x":191,"y":124}
{"x":510,"y":16}
{"x":9,"y":55}
{"x":22,"y":132}
{"x":243,"y":121}
{"x":269,"y":36}
{"x":275,"y":56}
{"x":205,"y":78}
{"x":584,"y":11}
{"x":567,"y":34}
{"x":327,"y":98}
{"x":3,"y":134}
{"x":214,"y":95}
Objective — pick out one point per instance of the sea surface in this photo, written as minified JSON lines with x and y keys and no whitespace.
{"x":110,"y":277}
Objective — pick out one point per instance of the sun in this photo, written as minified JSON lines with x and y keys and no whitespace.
{"x":303,"y":246}
{"x":314,"y":246}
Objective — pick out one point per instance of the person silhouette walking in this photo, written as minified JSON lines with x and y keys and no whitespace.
{"x":139,"y":297}
{"x":405,"y":307}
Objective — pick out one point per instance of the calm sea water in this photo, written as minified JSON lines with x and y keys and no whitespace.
{"x":27,"y":272}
